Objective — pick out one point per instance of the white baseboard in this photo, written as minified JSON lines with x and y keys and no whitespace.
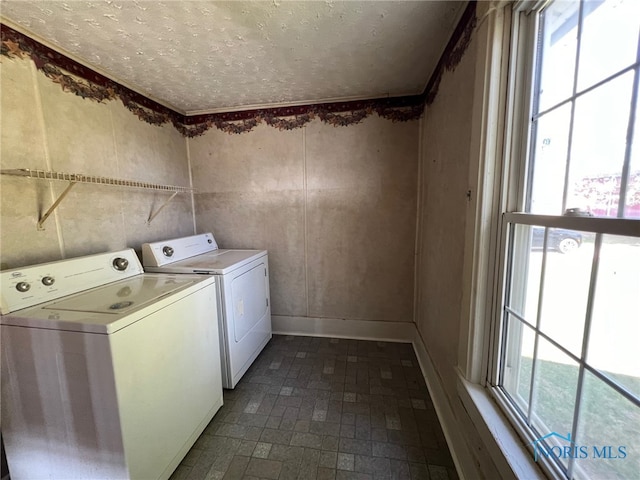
{"x":341,"y":328}
{"x":462,"y":457}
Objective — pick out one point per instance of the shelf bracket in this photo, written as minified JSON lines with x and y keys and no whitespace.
{"x":54,"y":206}
{"x":153,"y":215}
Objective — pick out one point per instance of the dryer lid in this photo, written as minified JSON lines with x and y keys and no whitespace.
{"x":219,"y":262}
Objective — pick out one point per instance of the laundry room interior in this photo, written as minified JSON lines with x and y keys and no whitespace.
{"x":367,"y":209}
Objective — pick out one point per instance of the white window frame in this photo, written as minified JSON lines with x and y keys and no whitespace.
{"x":500,"y":138}
{"x":517,"y":148}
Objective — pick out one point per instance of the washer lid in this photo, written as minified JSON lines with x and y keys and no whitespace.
{"x":111,"y":307}
{"x":122,"y":297}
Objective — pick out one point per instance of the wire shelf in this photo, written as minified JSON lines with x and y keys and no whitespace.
{"x":96,"y":180}
{"x":74,"y":178}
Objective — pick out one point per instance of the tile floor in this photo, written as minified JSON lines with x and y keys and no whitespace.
{"x":324,"y":408}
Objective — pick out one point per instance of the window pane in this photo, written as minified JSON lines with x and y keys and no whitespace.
{"x":518,"y":359}
{"x":607,"y":419}
{"x":550,"y":161}
{"x":598,"y":147}
{"x":615,"y":320}
{"x":609,"y":39}
{"x":560,"y":26}
{"x":525,"y":272}
{"x":566,"y":287}
{"x":555,"y":386}
{"x":632,"y":205}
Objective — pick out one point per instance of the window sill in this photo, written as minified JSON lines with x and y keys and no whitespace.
{"x":506,"y":448}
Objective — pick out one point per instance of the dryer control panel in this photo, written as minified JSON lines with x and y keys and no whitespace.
{"x":157,"y":254}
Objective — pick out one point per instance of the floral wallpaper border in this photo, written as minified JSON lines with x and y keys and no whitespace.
{"x":75,"y":78}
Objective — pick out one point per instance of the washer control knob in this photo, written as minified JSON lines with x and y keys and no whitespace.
{"x":120,"y":264}
{"x":168,"y":251}
{"x":209,"y":240}
{"x":23,"y":287}
{"x":48,"y":281}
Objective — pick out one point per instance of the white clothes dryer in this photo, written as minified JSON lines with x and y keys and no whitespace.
{"x":107,"y":372}
{"x":244,"y":310}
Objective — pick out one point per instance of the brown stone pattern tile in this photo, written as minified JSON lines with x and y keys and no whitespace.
{"x":324,"y":408}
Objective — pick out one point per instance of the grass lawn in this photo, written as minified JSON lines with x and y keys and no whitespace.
{"x":606,"y":418}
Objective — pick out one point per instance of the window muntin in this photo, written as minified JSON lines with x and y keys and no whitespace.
{"x":558,"y":357}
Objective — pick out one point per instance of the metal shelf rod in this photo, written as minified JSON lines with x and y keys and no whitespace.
{"x":74,"y":178}
{"x":79,"y":178}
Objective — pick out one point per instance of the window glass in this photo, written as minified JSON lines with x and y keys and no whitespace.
{"x":518,"y":362}
{"x":550,"y":150}
{"x":555,"y":386}
{"x":598,"y":147}
{"x":525,"y":272}
{"x":632,"y":205}
{"x":615,"y":319}
{"x":609,"y":39}
{"x":571,"y":315}
{"x":566,"y":287}
{"x":559,"y":43}
{"x":607,"y":422}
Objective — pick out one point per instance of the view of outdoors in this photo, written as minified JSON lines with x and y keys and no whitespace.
{"x":572,"y":311}
{"x":607,"y":417}
{"x":598,"y":128}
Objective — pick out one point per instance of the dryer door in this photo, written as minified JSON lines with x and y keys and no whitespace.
{"x":246,"y":315}
{"x":249,"y":300}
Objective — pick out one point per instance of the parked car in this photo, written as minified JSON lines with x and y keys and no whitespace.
{"x":559,"y":239}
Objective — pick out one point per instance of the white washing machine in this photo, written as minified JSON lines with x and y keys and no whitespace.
{"x":107,"y":372}
{"x":244,"y":310}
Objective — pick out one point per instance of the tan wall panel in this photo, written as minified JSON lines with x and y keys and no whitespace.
{"x":361,"y":219}
{"x":262,"y":160}
{"x":22,"y":145}
{"x":46,"y":128}
{"x":335,"y":207}
{"x":446,"y":140}
{"x":272,"y":221}
{"x":251,"y":195}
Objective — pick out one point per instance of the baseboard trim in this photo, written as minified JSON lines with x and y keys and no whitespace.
{"x":341,"y":328}
{"x":462,"y":457}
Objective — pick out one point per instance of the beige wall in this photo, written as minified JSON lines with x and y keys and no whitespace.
{"x":448,"y":164}
{"x":334,"y":206}
{"x":48,"y":129}
{"x":445,"y":169}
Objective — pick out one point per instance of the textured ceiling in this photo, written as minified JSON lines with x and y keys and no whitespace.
{"x":209,"y":56}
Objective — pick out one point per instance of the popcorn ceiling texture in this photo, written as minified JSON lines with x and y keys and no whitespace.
{"x":207,"y":56}
{"x":77,"y":78}
{"x":88,"y":84}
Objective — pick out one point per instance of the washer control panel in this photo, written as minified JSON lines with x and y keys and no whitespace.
{"x":28,"y":286}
